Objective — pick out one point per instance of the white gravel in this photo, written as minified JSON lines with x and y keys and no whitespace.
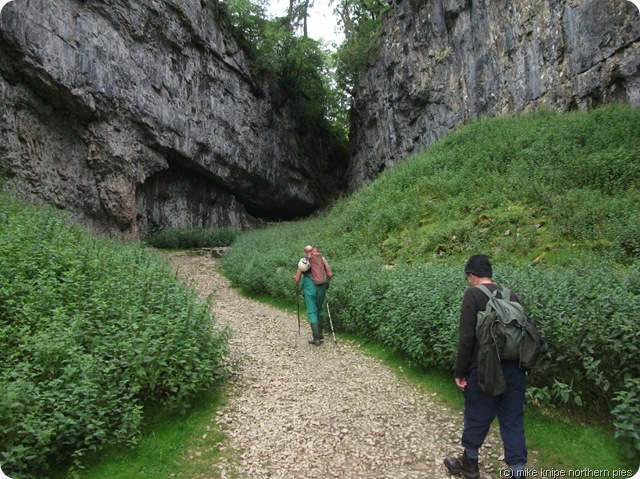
{"x":301,"y":411}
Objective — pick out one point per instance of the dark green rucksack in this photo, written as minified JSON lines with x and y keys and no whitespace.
{"x":512,"y":333}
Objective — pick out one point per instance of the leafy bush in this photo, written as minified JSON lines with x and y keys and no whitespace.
{"x":187,"y":238}
{"x":356,"y":294}
{"x":627,"y":416}
{"x":591,"y":327}
{"x":91,"y":331}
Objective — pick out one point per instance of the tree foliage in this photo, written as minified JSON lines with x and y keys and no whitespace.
{"x":360,"y":21}
{"x":319,"y":81}
{"x":299,"y":63}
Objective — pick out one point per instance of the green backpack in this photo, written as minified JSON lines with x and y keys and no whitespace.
{"x":511,"y":332}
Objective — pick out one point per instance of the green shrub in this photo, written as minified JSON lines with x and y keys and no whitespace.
{"x":91,"y":331}
{"x":356,"y":294}
{"x":591,"y":327}
{"x":627,"y":417}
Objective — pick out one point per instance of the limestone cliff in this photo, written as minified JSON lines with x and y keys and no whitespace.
{"x":447,"y":62}
{"x":138,"y":115}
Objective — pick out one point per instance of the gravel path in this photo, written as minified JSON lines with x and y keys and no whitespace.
{"x":301,"y":411}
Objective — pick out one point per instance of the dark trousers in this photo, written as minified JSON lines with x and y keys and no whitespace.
{"x":480,"y":409}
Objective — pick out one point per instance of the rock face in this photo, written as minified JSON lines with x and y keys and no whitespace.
{"x":134,"y":116}
{"x":446,"y":62}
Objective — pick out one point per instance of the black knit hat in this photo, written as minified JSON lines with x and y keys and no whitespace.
{"x":479,"y":265}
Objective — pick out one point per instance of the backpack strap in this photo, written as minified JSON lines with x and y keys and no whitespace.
{"x":485,"y":290}
{"x":505,"y":292}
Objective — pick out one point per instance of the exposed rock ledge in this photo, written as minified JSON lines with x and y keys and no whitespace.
{"x":134,"y":116}
{"x":444,"y":63}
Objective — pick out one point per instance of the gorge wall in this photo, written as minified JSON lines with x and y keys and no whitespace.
{"x":447,"y":62}
{"x":134,"y":116}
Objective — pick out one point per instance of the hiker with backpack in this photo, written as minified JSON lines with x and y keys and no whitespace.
{"x":314,"y":274}
{"x":493,"y":380}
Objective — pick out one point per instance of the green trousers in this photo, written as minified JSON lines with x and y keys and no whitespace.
{"x":314,"y":298}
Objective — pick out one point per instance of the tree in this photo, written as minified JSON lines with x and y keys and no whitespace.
{"x":301,"y":65}
{"x":358,"y":16}
{"x":298,"y":15}
{"x":360,"y":20}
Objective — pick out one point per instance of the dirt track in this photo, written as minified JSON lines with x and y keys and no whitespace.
{"x":300,"y":411}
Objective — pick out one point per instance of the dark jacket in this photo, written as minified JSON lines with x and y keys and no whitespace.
{"x":473,"y":301}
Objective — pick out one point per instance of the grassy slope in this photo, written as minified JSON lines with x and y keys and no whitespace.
{"x":547,"y":185}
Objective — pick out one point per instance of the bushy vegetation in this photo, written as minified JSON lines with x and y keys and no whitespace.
{"x":319,"y":80}
{"x":361,"y":21}
{"x":91,"y":331}
{"x":553,"y":198}
{"x":301,"y":65}
{"x":187,"y":238}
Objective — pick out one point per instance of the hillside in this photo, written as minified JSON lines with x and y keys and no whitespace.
{"x":553,"y":198}
{"x":546,"y":187}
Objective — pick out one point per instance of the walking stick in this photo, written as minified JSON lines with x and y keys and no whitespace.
{"x":331,"y":323}
{"x":298,"y":302}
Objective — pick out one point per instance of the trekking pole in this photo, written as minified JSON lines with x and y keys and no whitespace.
{"x":331,"y":323}
{"x":298,"y":303}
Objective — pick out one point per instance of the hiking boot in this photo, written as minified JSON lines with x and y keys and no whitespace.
{"x":320,"y":333}
{"x":316,"y":335}
{"x":462,"y":465}
{"x":516,"y":474}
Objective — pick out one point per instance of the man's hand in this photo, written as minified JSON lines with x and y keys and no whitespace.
{"x":461,"y":383}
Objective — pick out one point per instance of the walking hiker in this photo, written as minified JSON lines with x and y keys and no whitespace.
{"x":480,"y":407}
{"x":314,"y":275}
{"x":321,"y":274}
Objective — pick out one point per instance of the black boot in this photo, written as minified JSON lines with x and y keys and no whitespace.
{"x":315,"y":329}
{"x":320,"y":333}
{"x":463,"y":465}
